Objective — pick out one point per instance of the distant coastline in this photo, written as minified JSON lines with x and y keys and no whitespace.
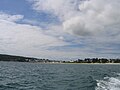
{"x":4,"y":57}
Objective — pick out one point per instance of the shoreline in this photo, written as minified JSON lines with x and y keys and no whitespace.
{"x":67,"y":63}
{"x":92,"y":63}
{"x":98,"y":63}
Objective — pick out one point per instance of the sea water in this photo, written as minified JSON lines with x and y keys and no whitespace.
{"x":36,"y":76}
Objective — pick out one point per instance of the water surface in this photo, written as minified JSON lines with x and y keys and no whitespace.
{"x":36,"y":76}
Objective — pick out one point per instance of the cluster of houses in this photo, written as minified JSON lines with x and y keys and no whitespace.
{"x":95,"y":60}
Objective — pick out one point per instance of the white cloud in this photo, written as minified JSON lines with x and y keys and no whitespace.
{"x":24,"y":39}
{"x":64,"y":9}
{"x":8,"y":17}
{"x":83,"y":17}
{"x":97,"y":17}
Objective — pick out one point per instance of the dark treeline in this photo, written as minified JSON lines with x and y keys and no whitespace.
{"x":4,"y":57}
{"x":97,"y":60}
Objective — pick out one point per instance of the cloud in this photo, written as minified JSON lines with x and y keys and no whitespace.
{"x":86,"y":28}
{"x":96,"y":17}
{"x":12,"y":18}
{"x":83,"y":17}
{"x":25,"y":39}
{"x":64,"y":9}
{"x":94,"y":24}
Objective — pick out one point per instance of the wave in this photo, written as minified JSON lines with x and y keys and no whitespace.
{"x":109,"y":83}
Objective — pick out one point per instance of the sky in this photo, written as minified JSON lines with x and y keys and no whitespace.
{"x":60,"y":29}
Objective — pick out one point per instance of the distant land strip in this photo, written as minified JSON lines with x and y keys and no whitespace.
{"x":4,"y":57}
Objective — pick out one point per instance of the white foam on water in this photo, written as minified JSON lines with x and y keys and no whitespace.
{"x":108,"y":83}
{"x":118,"y":74}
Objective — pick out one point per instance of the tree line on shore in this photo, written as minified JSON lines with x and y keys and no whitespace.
{"x":96,"y":60}
{"x":4,"y":57}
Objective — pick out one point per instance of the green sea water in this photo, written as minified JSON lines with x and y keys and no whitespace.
{"x":36,"y":76}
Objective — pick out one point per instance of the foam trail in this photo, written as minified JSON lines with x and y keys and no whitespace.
{"x":109,"y":83}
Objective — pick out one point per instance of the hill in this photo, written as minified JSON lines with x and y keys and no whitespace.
{"x":4,"y":57}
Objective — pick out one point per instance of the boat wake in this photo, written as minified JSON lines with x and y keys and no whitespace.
{"x":109,"y":83}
